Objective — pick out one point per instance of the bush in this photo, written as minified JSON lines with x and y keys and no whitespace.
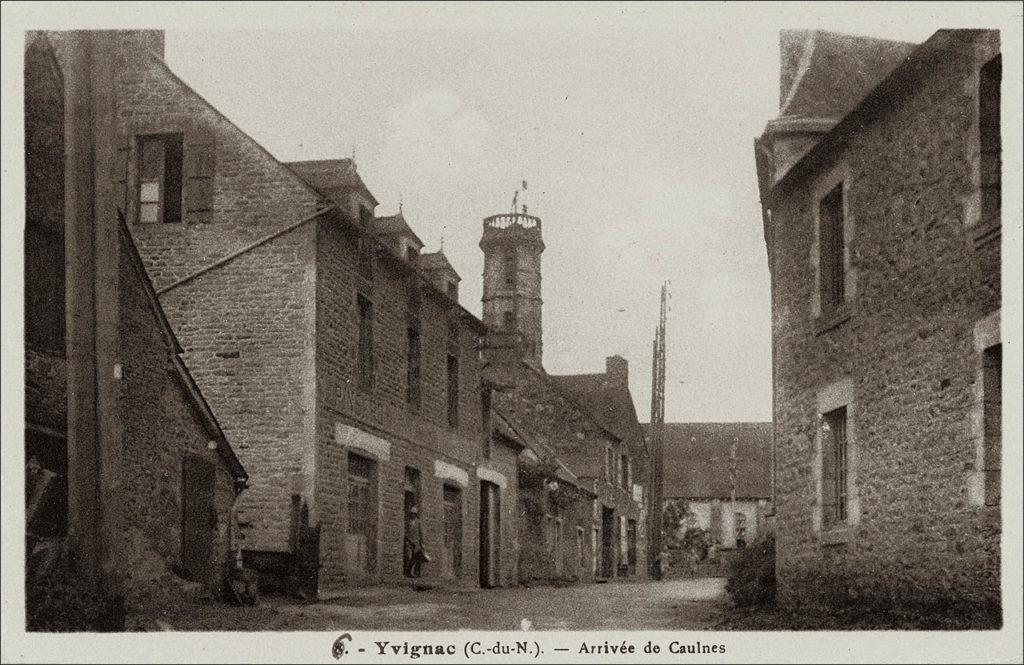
{"x":752,"y":579}
{"x":57,"y":602}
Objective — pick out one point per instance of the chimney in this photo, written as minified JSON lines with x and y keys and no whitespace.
{"x":142,"y":40}
{"x":617,"y":370}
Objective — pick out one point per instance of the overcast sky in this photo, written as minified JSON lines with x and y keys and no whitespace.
{"x":633,"y":126}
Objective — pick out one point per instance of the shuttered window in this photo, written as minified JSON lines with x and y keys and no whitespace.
{"x":412,"y":364}
{"x":831,"y":266}
{"x":990,"y":140}
{"x":365,"y":349}
{"x":173,"y":177}
{"x":992,"y":377}
{"x":835,"y":458}
{"x":160,"y":179}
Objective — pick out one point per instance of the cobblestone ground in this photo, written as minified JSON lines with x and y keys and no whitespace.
{"x":648,"y":605}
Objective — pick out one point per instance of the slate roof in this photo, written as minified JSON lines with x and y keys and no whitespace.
{"x":394,"y":225}
{"x":609,"y":402}
{"x":334,"y":178}
{"x":825,"y":74}
{"x":697,"y":460}
{"x":431,"y":261}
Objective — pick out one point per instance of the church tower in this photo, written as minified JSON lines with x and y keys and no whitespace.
{"x":512,"y":246}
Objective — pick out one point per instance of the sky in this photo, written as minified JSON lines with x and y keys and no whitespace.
{"x":633,"y":126}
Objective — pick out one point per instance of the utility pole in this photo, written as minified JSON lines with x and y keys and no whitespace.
{"x":657,"y":433}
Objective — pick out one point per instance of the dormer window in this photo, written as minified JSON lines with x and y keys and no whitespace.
{"x":365,"y":217}
{"x":453,"y":291}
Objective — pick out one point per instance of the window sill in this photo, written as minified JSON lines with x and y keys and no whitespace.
{"x":833,"y":319}
{"x":836,"y":535}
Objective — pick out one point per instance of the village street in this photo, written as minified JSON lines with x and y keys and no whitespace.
{"x":688,"y":604}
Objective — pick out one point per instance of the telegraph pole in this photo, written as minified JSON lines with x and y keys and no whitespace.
{"x":658,"y":433}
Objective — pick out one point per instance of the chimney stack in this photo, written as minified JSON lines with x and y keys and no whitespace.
{"x":617,"y":370}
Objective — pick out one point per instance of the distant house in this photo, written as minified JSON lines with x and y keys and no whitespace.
{"x":881,"y":188}
{"x":717,"y":477}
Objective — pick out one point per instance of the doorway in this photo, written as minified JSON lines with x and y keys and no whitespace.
{"x":452,"y":531}
{"x":490,"y":535}
{"x":607,"y":542}
{"x":361,"y":535}
{"x":198,"y":517}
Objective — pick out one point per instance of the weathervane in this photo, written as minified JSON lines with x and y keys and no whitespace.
{"x":515,"y":200}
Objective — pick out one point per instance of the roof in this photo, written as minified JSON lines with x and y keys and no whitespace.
{"x":824,"y":74}
{"x":896,"y":84}
{"x":394,"y":225}
{"x":607,"y":401}
{"x":331,"y":177}
{"x":697,"y":459}
{"x":504,"y":426}
{"x":209,"y":420}
{"x":434,"y":261}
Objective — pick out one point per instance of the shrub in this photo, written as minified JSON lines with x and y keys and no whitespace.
{"x":752,"y":579}
{"x":58,"y":602}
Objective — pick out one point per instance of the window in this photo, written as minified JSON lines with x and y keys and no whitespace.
{"x":453,"y":390}
{"x":365,"y":344}
{"x":453,"y":291}
{"x":415,"y":297}
{"x":509,"y":319}
{"x":990,"y":139}
{"x":160,"y":178}
{"x":830,"y":236}
{"x":510,"y":270}
{"x":624,"y":461}
{"x":485,"y":420}
{"x":365,"y":249}
{"x":740,"y":522}
{"x":581,"y":554}
{"x":609,"y":465}
{"x":412,"y":363}
{"x":411,"y":254}
{"x":835,"y":500}
{"x":992,"y":387}
{"x":453,"y":373}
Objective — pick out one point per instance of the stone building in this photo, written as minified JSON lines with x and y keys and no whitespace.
{"x":587,"y":422}
{"x":347,"y":377}
{"x":717,"y":478}
{"x":130,"y":480}
{"x":880,"y":183}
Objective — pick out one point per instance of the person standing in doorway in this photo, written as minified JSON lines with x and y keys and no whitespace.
{"x":414,"y":555}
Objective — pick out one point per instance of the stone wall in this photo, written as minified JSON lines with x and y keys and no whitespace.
{"x":245,"y":325}
{"x":904,"y":362}
{"x":400,"y":434}
{"x":161,"y":426}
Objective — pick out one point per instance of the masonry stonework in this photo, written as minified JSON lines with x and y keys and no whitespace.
{"x":906,"y":351}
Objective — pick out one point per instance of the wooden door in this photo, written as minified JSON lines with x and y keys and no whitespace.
{"x":490,"y":534}
{"x":198,"y":517}
{"x":361,"y":535}
{"x":452,"y":531}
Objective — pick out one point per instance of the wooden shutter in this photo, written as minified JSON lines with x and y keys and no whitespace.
{"x":199,"y":165}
